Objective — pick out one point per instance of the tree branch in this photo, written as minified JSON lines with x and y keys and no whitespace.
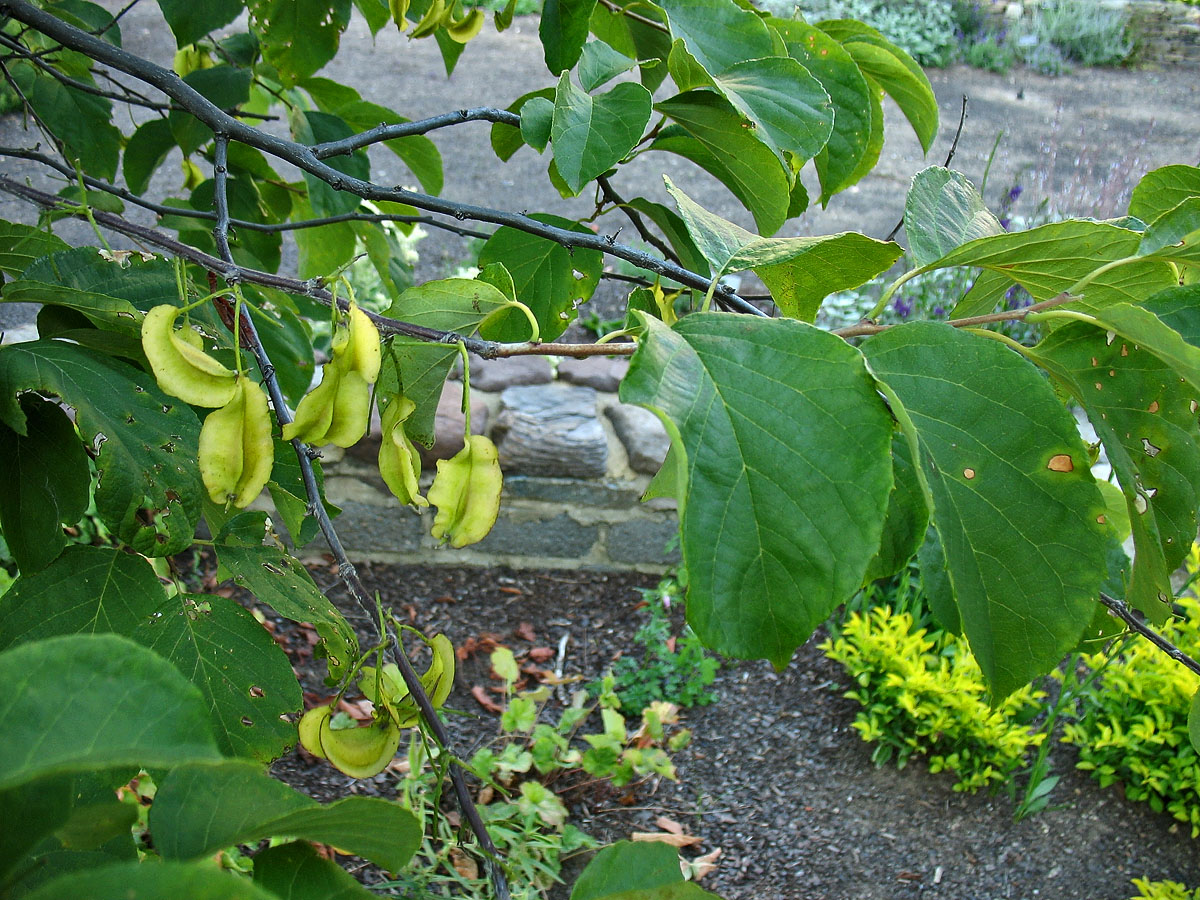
{"x":865,"y":329}
{"x":1121,"y":610}
{"x":303,"y":158}
{"x":380,"y":133}
{"x":610,"y":194}
{"x":316,"y":504}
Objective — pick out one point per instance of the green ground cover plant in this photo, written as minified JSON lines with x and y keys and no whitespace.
{"x":173,"y":385}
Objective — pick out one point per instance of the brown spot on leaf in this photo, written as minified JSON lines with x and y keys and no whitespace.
{"x":968,"y":474}
{"x":1153,"y":407}
{"x":1099,"y":386}
{"x":1061,"y":462}
{"x":1095,"y":362}
{"x":1101,"y":519}
{"x":1124,"y":350}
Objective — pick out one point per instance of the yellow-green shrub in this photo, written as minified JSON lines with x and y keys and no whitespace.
{"x":923,"y":693}
{"x":1132,"y":727}
{"x":1162,"y":890}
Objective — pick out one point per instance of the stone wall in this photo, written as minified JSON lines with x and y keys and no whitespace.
{"x":575,"y":460}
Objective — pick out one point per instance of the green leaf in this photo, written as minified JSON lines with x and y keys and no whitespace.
{"x":600,"y":64}
{"x":1162,"y":190}
{"x":189,"y":21}
{"x":637,"y":39}
{"x":1050,"y":259}
{"x":943,"y":211}
{"x":800,"y":272}
{"x":245,"y":677}
{"x":537,"y":120}
{"x":1193,"y":722}
{"x":48,"y":483}
{"x":375,"y":13}
{"x":1143,"y":415}
{"x":325,"y":249}
{"x":295,"y":872}
{"x":225,"y":86}
{"x":987,"y":292}
{"x":149,"y":490}
{"x":907,"y":516}
{"x":628,"y":866}
{"x":298,"y":37}
{"x":418,"y":369}
{"x":90,"y":702}
{"x":592,"y":134}
{"x":146,"y":150}
{"x":20,"y":245}
{"x":894,"y":70}
{"x":288,"y":495}
{"x":507,"y":140}
{"x":110,"y":313}
{"x":418,"y":152}
{"x":829,"y":63}
{"x":712,"y":136}
{"x":995,"y":445}
{"x":86,"y":590}
{"x":718,"y":34}
{"x":935,"y":583}
{"x":80,"y":120}
{"x":563,"y":29}
{"x":675,"y":230}
{"x":145,"y":283}
{"x":201,"y":808}
{"x":787,"y":454}
{"x":152,"y":881}
{"x":1175,"y":235}
{"x":279,"y":581}
{"x":1146,"y":330}
{"x":319,"y":128}
{"x":550,"y":279}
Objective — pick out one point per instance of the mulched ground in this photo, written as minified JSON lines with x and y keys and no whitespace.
{"x":774,"y":776}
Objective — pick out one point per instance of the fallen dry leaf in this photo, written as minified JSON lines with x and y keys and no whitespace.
{"x":695,"y":869}
{"x":484,"y":700}
{"x":668,"y":825}
{"x":541,"y":654}
{"x":525,"y":632}
{"x":486,"y":795}
{"x":463,"y":864}
{"x":665,"y":837}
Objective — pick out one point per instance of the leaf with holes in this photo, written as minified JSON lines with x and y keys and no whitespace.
{"x":1146,"y":419}
{"x":245,"y":677}
{"x":279,"y":581}
{"x":786,"y":447}
{"x":298,"y":37}
{"x":201,"y":808}
{"x":1019,"y":515}
{"x":149,"y":491}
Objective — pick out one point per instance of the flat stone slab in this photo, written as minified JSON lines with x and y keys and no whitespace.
{"x":642,"y":434}
{"x":550,"y":430}
{"x":497,"y":374}
{"x":600,"y":372}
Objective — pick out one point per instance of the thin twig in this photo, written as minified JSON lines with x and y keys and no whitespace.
{"x":865,"y":329}
{"x":610,"y":194}
{"x":381,"y":133}
{"x":962,"y":120}
{"x":301,"y":156}
{"x":634,"y":17}
{"x":1121,"y":610}
{"x":346,"y":570}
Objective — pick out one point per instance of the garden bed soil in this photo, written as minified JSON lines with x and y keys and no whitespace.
{"x":774,"y":776}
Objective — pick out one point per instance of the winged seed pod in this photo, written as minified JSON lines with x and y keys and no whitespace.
{"x":399,"y":462}
{"x":438,"y":680}
{"x":179,"y":362}
{"x":364,"y":352}
{"x":236,"y":450}
{"x":466,"y":491}
{"x":360,"y":752}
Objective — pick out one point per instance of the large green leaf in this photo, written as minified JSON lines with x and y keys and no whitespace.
{"x":85,"y":590}
{"x":418,"y":152}
{"x":152,"y":881}
{"x":549,"y":278}
{"x":145,"y":151}
{"x":894,"y":70}
{"x":1020,"y":518}
{"x":592,"y":134}
{"x":145,"y":283}
{"x":1146,"y":330}
{"x":290,"y":497}
{"x":786,"y":446}
{"x":278,"y":580}
{"x":48,"y":483}
{"x":201,"y":808}
{"x":90,"y":702}
{"x":79,"y":119}
{"x":298,"y":37}
{"x":600,"y":63}
{"x":225,"y":86}
{"x":109,"y":313}
{"x":149,"y":491}
{"x":801,"y":271}
{"x":1175,"y":235}
{"x":189,"y":21}
{"x":296,"y":871}
{"x":418,"y":369}
{"x":637,"y":38}
{"x":719,"y":34}
{"x":245,"y":677}
{"x":944,"y":211}
{"x":563,"y":30}
{"x":1050,"y":259}
{"x":907,"y":518}
{"x":712,"y":135}
{"x":1162,"y":190}
{"x":838,"y":73}
{"x":1144,"y":416}
{"x":22,"y":244}
{"x":630,"y":870}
